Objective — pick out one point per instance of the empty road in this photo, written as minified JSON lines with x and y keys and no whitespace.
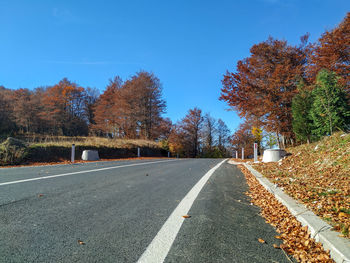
{"x":131,"y":211}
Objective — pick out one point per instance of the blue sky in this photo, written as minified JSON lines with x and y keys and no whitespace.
{"x":189,"y":44}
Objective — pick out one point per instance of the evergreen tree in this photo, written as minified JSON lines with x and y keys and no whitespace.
{"x":301,"y":106}
{"x":330,"y":110}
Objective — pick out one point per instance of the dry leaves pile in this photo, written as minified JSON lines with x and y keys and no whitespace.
{"x":317,"y":175}
{"x":296,"y":238}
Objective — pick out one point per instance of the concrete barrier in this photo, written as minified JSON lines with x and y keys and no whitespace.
{"x":273,"y":155}
{"x":90,"y":155}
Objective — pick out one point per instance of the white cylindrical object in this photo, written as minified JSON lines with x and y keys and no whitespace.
{"x":242,"y":153}
{"x":236,"y":154}
{"x":255,"y":152}
{"x":138,"y":152}
{"x":273,"y":155}
{"x":73,"y":153}
{"x":90,"y":155}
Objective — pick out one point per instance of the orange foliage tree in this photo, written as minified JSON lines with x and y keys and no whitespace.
{"x":64,"y":108}
{"x":264,"y":84}
{"x":132,"y":109}
{"x":332,"y":52}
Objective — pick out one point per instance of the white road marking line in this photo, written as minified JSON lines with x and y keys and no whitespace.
{"x":158,"y":249}
{"x":81,"y":172}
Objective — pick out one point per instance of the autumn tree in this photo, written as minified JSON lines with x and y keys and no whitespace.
{"x":223,"y":135}
{"x":64,"y":108}
{"x":132,"y":109}
{"x":209,"y":132}
{"x":7,"y":125}
{"x":332,"y":52}
{"x":243,"y":138}
{"x":329,"y":110}
{"x":190,"y":127}
{"x":91,"y":96}
{"x":109,"y":117}
{"x":144,"y":95}
{"x":176,"y":140}
{"x":265,"y":83}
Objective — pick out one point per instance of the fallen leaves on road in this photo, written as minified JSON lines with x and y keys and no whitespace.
{"x":81,"y":242}
{"x":296,"y":238}
{"x":262,"y":241}
{"x":186,"y":216}
{"x":276,"y":246}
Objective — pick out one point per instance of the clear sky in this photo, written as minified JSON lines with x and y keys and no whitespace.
{"x":188,"y":44}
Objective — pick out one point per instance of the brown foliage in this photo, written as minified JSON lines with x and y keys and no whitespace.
{"x":132,"y":109}
{"x":333,"y":53}
{"x":265,"y":83}
{"x":185,"y":135}
{"x":6,"y":119}
{"x":244,"y":138}
{"x":64,"y":108}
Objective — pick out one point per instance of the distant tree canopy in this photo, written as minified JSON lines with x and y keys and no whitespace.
{"x":131,"y":109}
{"x":200,"y":136}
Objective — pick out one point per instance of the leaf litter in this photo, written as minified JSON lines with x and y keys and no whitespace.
{"x":318,"y":177}
{"x":296,"y":238}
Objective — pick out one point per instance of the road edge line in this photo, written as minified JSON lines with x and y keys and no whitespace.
{"x":161,"y":244}
{"x":80,"y":172}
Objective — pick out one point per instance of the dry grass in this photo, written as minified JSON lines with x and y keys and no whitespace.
{"x":65,"y":141}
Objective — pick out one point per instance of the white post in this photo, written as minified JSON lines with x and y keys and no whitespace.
{"x":255,"y":152}
{"x":236,"y":154}
{"x":138,"y":152}
{"x":73,"y":153}
{"x":242,"y":153}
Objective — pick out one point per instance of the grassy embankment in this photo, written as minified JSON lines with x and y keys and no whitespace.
{"x":317,"y":175}
{"x":35,"y":148}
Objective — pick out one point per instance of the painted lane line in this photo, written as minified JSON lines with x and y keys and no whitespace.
{"x":158,"y":249}
{"x":81,"y":172}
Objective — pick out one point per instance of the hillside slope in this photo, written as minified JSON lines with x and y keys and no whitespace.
{"x":48,"y":149}
{"x":317,"y":175}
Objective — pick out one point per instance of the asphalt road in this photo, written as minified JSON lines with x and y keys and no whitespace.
{"x":117,"y":209}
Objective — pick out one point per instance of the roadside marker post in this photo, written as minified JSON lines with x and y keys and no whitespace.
{"x":242,"y":153}
{"x":73,"y":153}
{"x":236,"y":154}
{"x":138,"y":152}
{"x":255,"y":152}
{"x":168,"y":154}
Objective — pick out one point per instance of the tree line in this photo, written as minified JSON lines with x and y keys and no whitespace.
{"x":132,"y":109}
{"x":200,"y":135}
{"x":293,"y":93}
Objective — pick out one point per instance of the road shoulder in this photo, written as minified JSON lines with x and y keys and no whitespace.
{"x":224,"y":226}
